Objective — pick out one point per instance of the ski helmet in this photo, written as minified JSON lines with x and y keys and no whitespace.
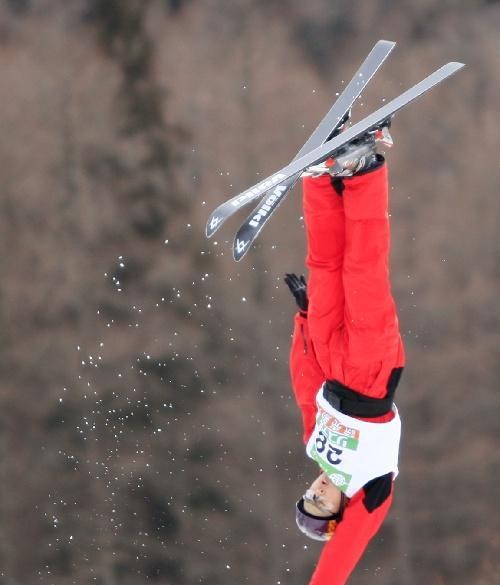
{"x":315,"y":526}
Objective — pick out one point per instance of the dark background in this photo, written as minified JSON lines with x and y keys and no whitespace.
{"x":148,"y":432}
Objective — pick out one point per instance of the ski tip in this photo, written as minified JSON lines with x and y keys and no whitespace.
{"x":208,"y":232}
{"x":213,"y":224}
{"x":237,"y":257}
{"x":239,"y":249}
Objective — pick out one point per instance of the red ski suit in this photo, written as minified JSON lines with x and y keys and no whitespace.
{"x":350,"y":333}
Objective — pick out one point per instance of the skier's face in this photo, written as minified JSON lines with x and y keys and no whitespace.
{"x":327,"y":497}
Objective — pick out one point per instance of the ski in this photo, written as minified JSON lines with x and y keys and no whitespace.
{"x":255,"y":222}
{"x":321,"y":134}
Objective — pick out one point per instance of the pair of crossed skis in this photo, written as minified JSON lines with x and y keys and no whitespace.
{"x":322,"y":144}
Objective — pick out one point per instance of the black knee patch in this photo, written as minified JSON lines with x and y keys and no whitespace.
{"x":377,"y":491}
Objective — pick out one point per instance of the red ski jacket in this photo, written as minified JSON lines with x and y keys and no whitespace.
{"x":350,"y":333}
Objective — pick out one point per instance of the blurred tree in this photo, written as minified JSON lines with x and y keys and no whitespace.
{"x":19,"y":6}
{"x":147,"y":427}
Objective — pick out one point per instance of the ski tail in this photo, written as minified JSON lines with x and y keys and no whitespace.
{"x":325,"y":129}
{"x":372,"y":63}
{"x":377,"y":118}
{"x":255,"y":222}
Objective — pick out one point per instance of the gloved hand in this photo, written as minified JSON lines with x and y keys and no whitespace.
{"x":298,"y":288}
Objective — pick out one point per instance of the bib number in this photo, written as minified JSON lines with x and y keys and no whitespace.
{"x":332,"y":453}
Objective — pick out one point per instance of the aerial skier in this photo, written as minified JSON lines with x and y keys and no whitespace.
{"x":347,"y":357}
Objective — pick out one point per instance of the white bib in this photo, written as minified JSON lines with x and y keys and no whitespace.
{"x":351,"y":451}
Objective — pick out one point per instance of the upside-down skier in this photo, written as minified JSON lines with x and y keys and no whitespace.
{"x":347,"y":357}
{"x":347,"y":354}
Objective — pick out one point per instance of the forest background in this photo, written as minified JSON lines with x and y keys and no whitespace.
{"x":148,"y":432}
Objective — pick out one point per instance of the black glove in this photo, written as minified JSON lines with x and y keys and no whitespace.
{"x":298,"y":288}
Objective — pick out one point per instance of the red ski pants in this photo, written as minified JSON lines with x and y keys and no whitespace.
{"x":352,"y":316}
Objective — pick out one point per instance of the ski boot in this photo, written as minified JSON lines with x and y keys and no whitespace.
{"x":358,"y":156}
{"x":342,"y":125}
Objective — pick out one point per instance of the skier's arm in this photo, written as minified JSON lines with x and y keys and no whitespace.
{"x":363,"y":517}
{"x":305,"y":373}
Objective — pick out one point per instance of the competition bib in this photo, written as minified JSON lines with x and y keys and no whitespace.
{"x":350,"y":451}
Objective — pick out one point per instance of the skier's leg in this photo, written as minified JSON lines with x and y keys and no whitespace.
{"x":372,"y":345}
{"x":325,"y":227}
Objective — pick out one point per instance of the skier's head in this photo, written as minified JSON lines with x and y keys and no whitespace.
{"x":320,"y":509}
